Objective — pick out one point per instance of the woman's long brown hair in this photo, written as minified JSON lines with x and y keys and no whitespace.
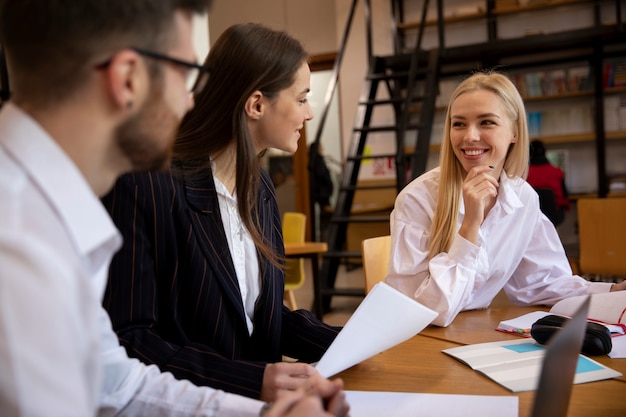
{"x":246,"y":58}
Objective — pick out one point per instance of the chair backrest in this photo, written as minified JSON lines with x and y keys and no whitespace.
{"x":602,"y":235}
{"x":376,"y":253}
{"x":547,"y":203}
{"x":294,"y":230}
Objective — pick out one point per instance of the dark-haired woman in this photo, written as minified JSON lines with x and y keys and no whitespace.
{"x":198,"y":287}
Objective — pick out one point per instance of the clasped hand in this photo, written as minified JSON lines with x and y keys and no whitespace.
{"x":299,"y":388}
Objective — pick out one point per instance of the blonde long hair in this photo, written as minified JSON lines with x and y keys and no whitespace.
{"x":445,"y":219}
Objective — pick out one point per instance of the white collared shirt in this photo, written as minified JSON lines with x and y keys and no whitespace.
{"x":59,"y":355}
{"x":242,"y":251}
{"x":518,"y":249}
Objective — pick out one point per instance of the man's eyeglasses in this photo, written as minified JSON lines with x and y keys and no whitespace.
{"x":197,"y":75}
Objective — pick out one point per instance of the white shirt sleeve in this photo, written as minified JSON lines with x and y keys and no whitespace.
{"x":446,"y":282}
{"x":544,"y":275}
{"x":133,"y":389}
{"x":40,"y":319}
{"x":518,"y":250}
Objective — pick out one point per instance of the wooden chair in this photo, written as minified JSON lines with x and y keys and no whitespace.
{"x":376,"y":253}
{"x":602,"y":236}
{"x":294,"y":230}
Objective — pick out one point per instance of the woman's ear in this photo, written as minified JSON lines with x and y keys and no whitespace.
{"x":255,"y":105}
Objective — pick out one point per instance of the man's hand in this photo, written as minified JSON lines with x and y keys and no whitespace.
{"x":283,"y":378}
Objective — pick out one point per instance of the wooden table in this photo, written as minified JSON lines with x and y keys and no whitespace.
{"x":310,"y":250}
{"x":419,"y":365}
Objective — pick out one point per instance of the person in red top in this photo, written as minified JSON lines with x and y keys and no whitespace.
{"x":543,"y":175}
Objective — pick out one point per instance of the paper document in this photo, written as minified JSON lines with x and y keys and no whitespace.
{"x":385,"y":318}
{"x":402,"y":404}
{"x":516,"y":364}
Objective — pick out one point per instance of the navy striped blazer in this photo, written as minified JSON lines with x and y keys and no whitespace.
{"x":173,"y":295}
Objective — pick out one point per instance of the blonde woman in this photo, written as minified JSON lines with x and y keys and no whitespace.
{"x":472,"y":226}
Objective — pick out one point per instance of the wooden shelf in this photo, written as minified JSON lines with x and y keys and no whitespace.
{"x":561,"y":96}
{"x":556,"y":139}
{"x":511,"y":6}
{"x":615,"y":135}
{"x":451,"y":19}
{"x":615,"y":90}
{"x":502,"y":7}
{"x":578,"y":137}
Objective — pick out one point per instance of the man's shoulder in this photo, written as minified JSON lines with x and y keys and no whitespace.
{"x":15,"y":192}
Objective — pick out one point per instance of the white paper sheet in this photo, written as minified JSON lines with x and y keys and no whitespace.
{"x":619,"y":347}
{"x":401,"y":404}
{"x":385,"y":318}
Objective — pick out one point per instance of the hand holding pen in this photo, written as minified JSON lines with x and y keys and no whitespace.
{"x":480,"y":190}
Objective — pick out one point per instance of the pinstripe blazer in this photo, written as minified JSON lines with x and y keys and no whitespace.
{"x":173,"y":294}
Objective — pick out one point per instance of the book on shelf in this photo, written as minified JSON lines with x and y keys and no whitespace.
{"x":614,"y":74}
{"x":553,"y":82}
{"x":579,"y":79}
{"x":556,"y":82}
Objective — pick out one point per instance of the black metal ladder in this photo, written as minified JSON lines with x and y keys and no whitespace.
{"x":411,"y":81}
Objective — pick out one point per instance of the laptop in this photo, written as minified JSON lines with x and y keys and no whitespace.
{"x":559,"y":367}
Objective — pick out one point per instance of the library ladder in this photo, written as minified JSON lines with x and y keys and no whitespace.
{"x":411,"y":81}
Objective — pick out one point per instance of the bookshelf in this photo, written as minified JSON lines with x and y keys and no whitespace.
{"x":568,"y":58}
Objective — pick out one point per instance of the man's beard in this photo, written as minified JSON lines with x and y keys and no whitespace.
{"x":147,"y":138}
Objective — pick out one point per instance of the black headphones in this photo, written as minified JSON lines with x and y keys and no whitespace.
{"x":597,"y":337}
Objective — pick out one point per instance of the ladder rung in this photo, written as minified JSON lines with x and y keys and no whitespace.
{"x":370,"y":156}
{"x":343,"y":254}
{"x":382,"y":102}
{"x":396,"y":75}
{"x":388,"y":75}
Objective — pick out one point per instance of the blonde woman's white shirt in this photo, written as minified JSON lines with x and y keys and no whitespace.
{"x":518,"y":250}
{"x":59,"y":355}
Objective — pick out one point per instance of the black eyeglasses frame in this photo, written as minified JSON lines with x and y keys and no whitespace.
{"x":203,"y":71}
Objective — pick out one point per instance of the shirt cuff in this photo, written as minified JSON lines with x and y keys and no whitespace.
{"x":236,"y":405}
{"x":599,"y":287}
{"x":464,"y":252}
